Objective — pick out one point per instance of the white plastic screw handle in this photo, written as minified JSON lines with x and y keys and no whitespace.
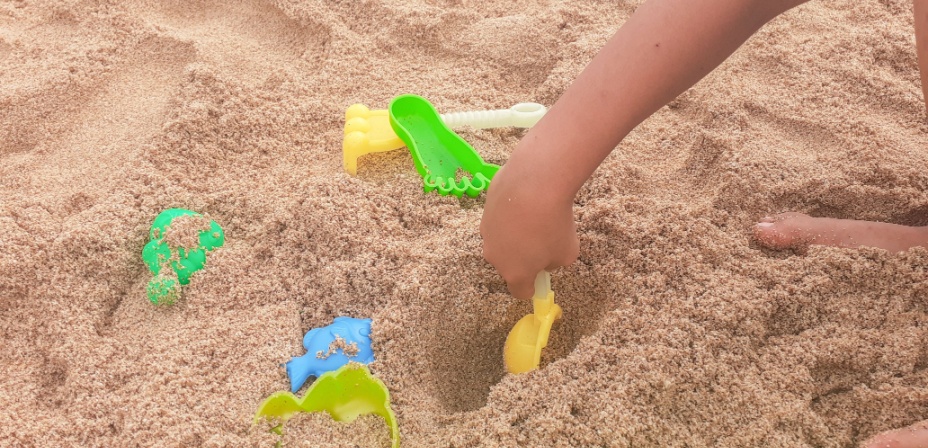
{"x":542,"y":285}
{"x":522,"y":115}
{"x":543,"y":299}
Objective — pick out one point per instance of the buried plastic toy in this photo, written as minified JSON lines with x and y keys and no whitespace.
{"x":328,"y":348}
{"x":522,"y":351}
{"x":181,"y":260}
{"x":345,"y":394}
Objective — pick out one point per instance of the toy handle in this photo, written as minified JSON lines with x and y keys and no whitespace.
{"x":542,"y":285}
{"x":522,"y":115}
{"x":544,"y":297}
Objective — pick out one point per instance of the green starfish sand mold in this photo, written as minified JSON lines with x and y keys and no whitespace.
{"x":182,"y":261}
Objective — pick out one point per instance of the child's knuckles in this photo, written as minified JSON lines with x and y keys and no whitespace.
{"x":490,"y":253}
{"x":573,"y":253}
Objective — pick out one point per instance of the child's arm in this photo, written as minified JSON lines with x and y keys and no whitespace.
{"x":921,"y":44}
{"x":662,"y":50}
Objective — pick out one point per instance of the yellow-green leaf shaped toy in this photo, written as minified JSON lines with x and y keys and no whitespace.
{"x":346,"y":394}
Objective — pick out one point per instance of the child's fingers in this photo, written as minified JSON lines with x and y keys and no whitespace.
{"x":568,"y":256}
{"x":564,"y":261}
{"x":573,"y":251}
{"x":521,"y":285}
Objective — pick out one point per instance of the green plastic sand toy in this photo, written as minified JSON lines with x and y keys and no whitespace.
{"x":346,"y":394}
{"x":442,"y":158}
{"x":183,"y":256}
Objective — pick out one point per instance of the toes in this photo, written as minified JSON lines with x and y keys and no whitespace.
{"x":775,"y":235}
{"x":782,"y":231}
{"x":914,"y":436}
{"x":765,"y":233}
{"x":786,"y":216}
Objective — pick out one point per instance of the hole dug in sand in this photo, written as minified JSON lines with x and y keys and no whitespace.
{"x":467,"y":359}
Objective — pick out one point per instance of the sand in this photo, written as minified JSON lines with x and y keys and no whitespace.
{"x":678,"y":329}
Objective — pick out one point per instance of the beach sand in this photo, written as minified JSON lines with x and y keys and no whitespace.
{"x":678,"y":329}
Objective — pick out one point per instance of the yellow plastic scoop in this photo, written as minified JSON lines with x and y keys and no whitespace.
{"x":522,"y":352}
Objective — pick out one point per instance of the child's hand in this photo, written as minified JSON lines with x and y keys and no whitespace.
{"x":526,"y":230}
{"x":662,"y":50}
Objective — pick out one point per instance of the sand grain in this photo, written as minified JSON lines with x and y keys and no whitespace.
{"x":678,"y":329}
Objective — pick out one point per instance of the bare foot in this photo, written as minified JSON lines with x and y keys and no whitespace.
{"x":795,"y":231}
{"x":915,"y":436}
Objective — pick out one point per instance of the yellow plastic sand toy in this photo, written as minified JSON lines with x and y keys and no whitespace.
{"x":368,"y":131}
{"x":346,"y":394}
{"x":522,"y":352}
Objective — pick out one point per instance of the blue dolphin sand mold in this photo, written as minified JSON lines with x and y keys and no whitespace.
{"x":330,"y":347}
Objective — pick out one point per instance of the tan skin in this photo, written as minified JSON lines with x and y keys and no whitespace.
{"x":662,"y":50}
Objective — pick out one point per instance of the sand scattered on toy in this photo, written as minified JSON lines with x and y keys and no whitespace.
{"x":349,"y":350}
{"x":185,"y":230}
{"x":678,"y":329}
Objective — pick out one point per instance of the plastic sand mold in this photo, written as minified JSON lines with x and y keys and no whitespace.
{"x":369,"y":131}
{"x":366,"y":131}
{"x":442,"y":158}
{"x":173,"y":262}
{"x":345,"y":340}
{"x":522,"y":352}
{"x":346,"y":394}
